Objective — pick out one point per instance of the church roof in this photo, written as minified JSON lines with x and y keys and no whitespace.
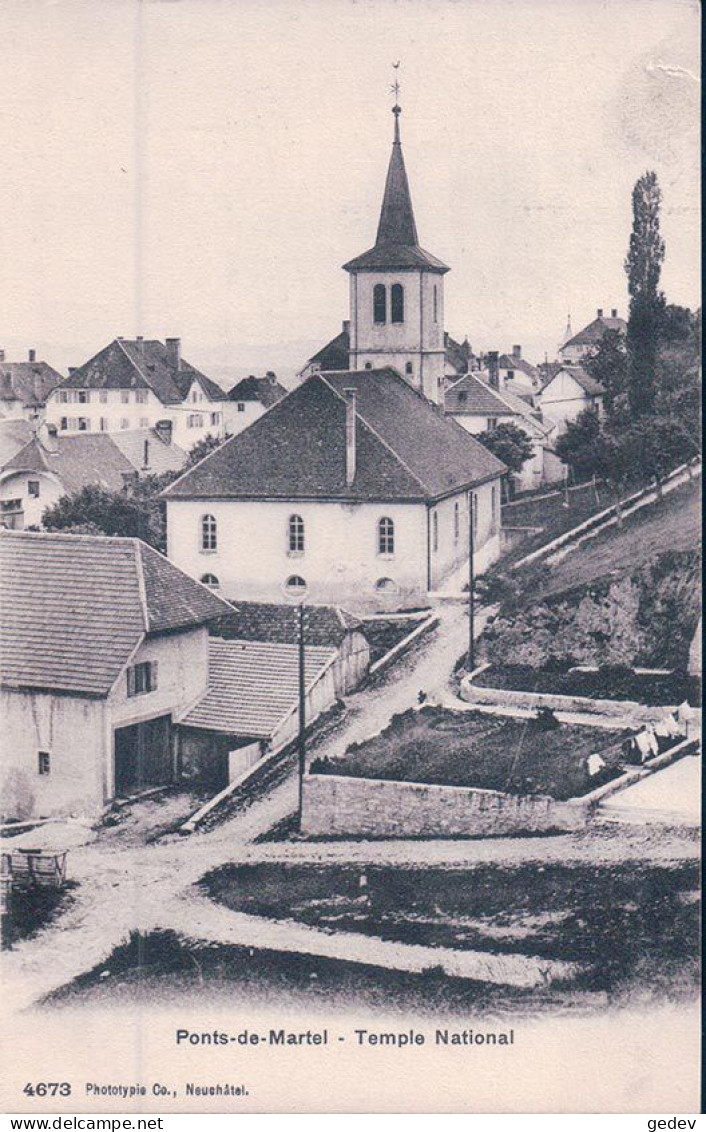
{"x":397,"y":244}
{"x":297,"y":450}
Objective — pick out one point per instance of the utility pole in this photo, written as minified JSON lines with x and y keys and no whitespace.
{"x":471,"y":663}
{"x":302,"y":713}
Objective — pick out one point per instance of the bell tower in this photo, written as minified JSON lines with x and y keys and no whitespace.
{"x":397,"y":291}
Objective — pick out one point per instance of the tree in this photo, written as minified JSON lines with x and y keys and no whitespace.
{"x":609,"y":366}
{"x":644,"y":266}
{"x":510,"y":444}
{"x":586,"y":448}
{"x":94,"y":510}
{"x":679,"y":369}
{"x":204,"y":447}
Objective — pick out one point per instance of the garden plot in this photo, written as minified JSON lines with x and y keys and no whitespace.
{"x":474,"y":749}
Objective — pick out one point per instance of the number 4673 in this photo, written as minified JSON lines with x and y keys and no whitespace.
{"x":48,"y":1089}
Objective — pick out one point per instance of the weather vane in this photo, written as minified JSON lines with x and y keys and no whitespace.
{"x":395,"y":88}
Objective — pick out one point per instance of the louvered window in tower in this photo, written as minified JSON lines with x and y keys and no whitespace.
{"x":379,"y":303}
{"x":397,"y":302}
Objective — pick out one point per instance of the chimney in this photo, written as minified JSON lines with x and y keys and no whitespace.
{"x":614,"y":313}
{"x":350,"y":395}
{"x":600,"y":312}
{"x":174,"y":352}
{"x":493,"y":372}
{"x":32,"y":355}
{"x":163,"y":430}
{"x":346,"y":326}
{"x":2,"y":355}
{"x":72,"y":369}
{"x":517,"y":351}
{"x":146,"y":457}
{"x":271,"y":377}
{"x":140,"y":345}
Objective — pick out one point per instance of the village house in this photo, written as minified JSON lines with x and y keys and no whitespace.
{"x":249,"y":399}
{"x":138,"y":383}
{"x":104,"y":643}
{"x":51,"y":465}
{"x":567,"y":393}
{"x":575,"y":348}
{"x":25,"y":386}
{"x":479,"y":408}
{"x":354,"y":486}
{"x":517,"y":375}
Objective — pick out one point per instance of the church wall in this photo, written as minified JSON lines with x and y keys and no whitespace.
{"x":340,"y":563}
{"x":452,"y":548}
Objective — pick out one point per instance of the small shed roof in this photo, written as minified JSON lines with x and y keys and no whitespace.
{"x":254,"y":686}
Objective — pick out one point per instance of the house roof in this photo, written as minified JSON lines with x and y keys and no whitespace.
{"x":335,"y":354}
{"x":131,"y":364}
{"x":73,"y":608}
{"x":266,"y":390}
{"x":164,"y":456}
{"x":28,"y":382}
{"x":592,"y":334}
{"x":482,"y":400}
{"x":98,"y":458}
{"x":14,"y":434}
{"x":324,"y":625}
{"x":587,"y":383}
{"x":253,"y":686}
{"x":406,"y":449}
{"x":76,"y":461}
{"x":511,"y":361}
{"x":396,"y":244}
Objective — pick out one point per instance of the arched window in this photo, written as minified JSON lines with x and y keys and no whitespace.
{"x":209,"y":533}
{"x":436,"y":303}
{"x":457,"y":522}
{"x":386,"y":536}
{"x":210,"y":580}
{"x":368,"y":365}
{"x":295,"y":584}
{"x":435,"y":530}
{"x":379,"y":303}
{"x":386,"y":585}
{"x":397,"y":303}
{"x":409,"y":368}
{"x":296,"y":534}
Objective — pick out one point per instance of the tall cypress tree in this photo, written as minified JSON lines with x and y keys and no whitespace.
{"x":643,"y":266}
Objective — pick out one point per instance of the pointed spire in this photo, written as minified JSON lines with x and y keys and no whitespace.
{"x":397,"y":224}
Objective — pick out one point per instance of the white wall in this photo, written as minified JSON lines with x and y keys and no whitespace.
{"x":237,"y":420}
{"x":106,"y":411}
{"x":71,"y":729}
{"x":14,"y":485}
{"x":340,"y":562}
{"x":182,"y":678}
{"x":563,"y":399}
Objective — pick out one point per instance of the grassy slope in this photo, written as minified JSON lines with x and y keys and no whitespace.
{"x":672,"y":524}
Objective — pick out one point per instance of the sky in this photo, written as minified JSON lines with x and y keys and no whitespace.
{"x":202,"y":168}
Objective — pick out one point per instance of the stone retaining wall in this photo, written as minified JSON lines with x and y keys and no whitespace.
{"x":477,"y":694}
{"x":339,"y":806}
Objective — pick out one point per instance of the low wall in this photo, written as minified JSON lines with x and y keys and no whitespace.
{"x":512,"y":536}
{"x":337,"y":806}
{"x":477,"y":694}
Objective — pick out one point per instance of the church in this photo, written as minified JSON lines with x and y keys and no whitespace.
{"x":355,"y":489}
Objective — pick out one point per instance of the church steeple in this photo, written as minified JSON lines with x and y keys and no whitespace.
{"x":396,"y":225}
